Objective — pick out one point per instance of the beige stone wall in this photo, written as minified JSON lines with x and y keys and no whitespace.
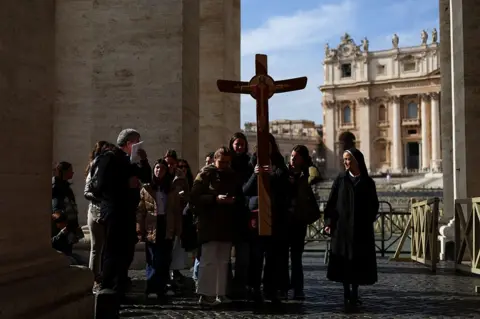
{"x":285,"y":142}
{"x":139,"y":66}
{"x":118,"y":68}
{"x":220,"y":59}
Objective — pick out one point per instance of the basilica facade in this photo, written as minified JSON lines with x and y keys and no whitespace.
{"x":385,"y":102}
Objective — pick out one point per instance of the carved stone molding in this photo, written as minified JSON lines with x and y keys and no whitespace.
{"x":424,"y":96}
{"x":329,"y":103}
{"x":393,"y":99}
{"x":380,"y":99}
{"x":364,"y":101}
{"x":434,"y":96}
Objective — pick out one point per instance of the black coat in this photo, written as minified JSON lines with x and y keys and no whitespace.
{"x":118,"y":200}
{"x":350,"y":213}
{"x":280,"y":188}
{"x":241,"y":165}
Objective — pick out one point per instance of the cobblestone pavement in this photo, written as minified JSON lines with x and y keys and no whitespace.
{"x":404,"y":290}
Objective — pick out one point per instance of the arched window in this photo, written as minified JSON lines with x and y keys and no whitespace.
{"x":347,"y":115}
{"x":382,"y":113}
{"x":412,"y":110}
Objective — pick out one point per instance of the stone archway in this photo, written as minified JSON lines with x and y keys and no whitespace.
{"x":346,"y":140}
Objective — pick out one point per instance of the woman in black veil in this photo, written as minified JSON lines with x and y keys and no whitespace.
{"x":349,"y":218}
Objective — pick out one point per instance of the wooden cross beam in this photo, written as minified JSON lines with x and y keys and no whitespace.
{"x":262,"y":87}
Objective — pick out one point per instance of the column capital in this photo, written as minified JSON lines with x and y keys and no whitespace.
{"x":434,"y":96}
{"x":424,"y":96}
{"x":364,"y":101}
{"x":329,"y":104}
{"x":393,"y":99}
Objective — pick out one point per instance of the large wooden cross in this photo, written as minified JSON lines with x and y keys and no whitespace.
{"x":262,"y":87}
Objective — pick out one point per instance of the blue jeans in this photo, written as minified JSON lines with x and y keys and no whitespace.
{"x":158,"y":259}
{"x":196,"y":267}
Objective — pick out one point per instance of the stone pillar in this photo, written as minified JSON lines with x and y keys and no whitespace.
{"x":435,"y":130}
{"x":220,"y":59}
{"x":397,"y":157}
{"x":465,"y":46}
{"x":465,"y":114}
{"x":329,"y":120}
{"x":134,"y":66}
{"x":425,"y":137}
{"x":365,"y":130}
{"x":35,"y":281}
{"x":446,"y":111}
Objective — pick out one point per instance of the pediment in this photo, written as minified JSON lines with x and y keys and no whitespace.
{"x":348,"y":48}
{"x":407,"y":57}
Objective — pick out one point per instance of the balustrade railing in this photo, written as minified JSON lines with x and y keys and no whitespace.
{"x":388,"y":227}
{"x":467,"y":235}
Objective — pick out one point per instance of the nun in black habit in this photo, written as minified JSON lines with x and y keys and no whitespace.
{"x":349,"y":217}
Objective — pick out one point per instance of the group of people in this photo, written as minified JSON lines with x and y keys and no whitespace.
{"x":171,"y":211}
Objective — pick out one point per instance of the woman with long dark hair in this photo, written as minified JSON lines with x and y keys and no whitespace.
{"x":186,"y":170}
{"x":272,"y":249}
{"x":96,"y":229}
{"x":157,"y":225}
{"x":350,"y":213}
{"x":238,"y":146}
{"x":303,"y":211}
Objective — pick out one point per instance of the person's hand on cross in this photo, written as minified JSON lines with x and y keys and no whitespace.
{"x":263,"y":169}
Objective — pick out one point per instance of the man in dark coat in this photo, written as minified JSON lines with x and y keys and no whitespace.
{"x":349,"y":217}
{"x":118,"y":187}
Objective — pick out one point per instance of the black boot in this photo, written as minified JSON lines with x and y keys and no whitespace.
{"x":354,"y":299}
{"x":346,"y":297}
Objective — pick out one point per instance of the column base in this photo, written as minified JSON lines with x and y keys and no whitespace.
{"x":46,"y":289}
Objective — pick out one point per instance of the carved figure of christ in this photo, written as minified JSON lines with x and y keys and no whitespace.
{"x":262,"y":87}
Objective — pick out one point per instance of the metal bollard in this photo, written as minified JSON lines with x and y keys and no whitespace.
{"x":107,"y":304}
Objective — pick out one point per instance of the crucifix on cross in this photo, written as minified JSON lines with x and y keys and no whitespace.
{"x":262,"y":87}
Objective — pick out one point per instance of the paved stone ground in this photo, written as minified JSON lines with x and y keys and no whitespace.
{"x":404,"y":290}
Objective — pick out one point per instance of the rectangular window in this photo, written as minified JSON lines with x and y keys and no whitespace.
{"x":409,"y":66}
{"x":346,"y":70}
{"x":380,"y":69}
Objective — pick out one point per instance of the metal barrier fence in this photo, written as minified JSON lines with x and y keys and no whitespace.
{"x":467,"y":235}
{"x":388,"y":227}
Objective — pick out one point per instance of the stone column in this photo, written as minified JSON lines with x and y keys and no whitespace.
{"x":424,"y":122}
{"x":220,"y":59}
{"x":446,"y":111}
{"x":465,"y":114}
{"x":397,"y":157}
{"x":465,"y":47}
{"x":329,"y":116}
{"x":364,"y":118}
{"x":35,"y":281}
{"x":435,"y":131}
{"x":135,"y":66}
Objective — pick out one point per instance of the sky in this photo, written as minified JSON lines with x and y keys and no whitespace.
{"x":293,"y":34}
